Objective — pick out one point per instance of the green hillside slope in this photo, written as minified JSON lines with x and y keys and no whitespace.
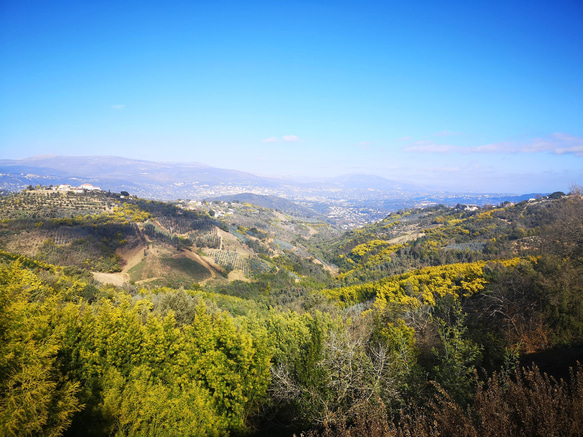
{"x":121,"y":316}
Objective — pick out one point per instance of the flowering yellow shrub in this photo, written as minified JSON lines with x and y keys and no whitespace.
{"x":420,"y":287}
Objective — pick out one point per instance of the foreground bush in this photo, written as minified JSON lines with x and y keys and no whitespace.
{"x":528,"y":403}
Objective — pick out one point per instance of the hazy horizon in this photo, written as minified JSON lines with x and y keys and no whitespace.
{"x":482,"y":98}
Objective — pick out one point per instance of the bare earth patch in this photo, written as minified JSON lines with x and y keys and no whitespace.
{"x":332,"y":269}
{"x":237,"y":275}
{"x":312,"y":231}
{"x":131,"y":257}
{"x":205,"y":262}
{"x":117,"y":279}
{"x":407,"y":237}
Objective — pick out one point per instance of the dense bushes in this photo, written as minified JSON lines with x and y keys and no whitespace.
{"x":429,"y":351}
{"x":119,"y":366}
{"x":526,"y":403}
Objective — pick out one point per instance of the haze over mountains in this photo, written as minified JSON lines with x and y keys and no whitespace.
{"x":170,"y":181}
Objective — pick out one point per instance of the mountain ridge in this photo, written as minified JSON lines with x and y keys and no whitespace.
{"x":198,"y":181}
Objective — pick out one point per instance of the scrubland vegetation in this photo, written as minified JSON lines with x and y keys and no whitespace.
{"x":426,"y":323}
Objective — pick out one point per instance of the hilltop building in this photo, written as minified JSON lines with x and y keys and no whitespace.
{"x":78,"y":190}
{"x":89,"y":187}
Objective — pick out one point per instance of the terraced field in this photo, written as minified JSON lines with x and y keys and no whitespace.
{"x":232,"y":260}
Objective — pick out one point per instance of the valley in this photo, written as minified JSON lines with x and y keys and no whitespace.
{"x":300,"y":321}
{"x":291,"y":219}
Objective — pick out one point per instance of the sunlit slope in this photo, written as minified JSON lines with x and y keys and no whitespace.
{"x":126,"y":240}
{"x":441,"y":235}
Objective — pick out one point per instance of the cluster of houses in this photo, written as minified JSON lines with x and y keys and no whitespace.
{"x":195,"y":205}
{"x":79,"y":190}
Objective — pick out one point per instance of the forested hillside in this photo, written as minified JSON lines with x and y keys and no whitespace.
{"x":121,"y":316}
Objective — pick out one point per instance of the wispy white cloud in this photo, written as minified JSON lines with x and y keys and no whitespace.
{"x":560,"y":143}
{"x":290,"y":138}
{"x":118,"y":106}
{"x":404,"y":138}
{"x":271,"y":140}
{"x":557,"y":143}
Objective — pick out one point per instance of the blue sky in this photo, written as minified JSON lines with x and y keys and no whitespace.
{"x":473,"y":96}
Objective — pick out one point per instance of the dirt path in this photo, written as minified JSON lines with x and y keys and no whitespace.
{"x":132,"y":258}
{"x":203,"y":262}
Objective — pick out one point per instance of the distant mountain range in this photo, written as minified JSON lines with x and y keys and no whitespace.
{"x":123,"y":170}
{"x":170,"y":181}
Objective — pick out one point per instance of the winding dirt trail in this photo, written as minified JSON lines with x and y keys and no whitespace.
{"x":132,"y":258}
{"x":203,"y":262}
{"x":135,"y":256}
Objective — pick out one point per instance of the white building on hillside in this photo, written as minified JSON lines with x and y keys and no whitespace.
{"x":89,"y":187}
